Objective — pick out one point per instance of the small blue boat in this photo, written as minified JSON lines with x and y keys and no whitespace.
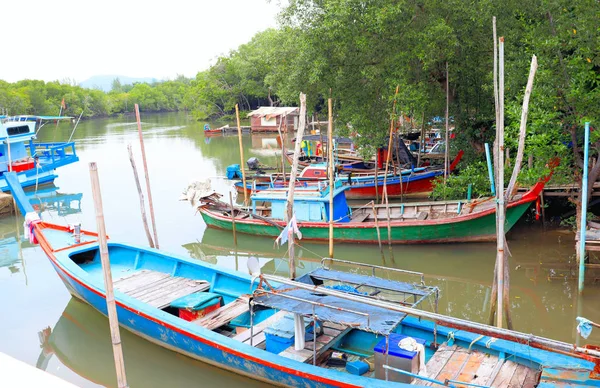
{"x":34,"y":163}
{"x":325,"y":329}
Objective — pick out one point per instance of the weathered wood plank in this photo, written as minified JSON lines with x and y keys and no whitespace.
{"x":153,"y":287}
{"x":454,"y":365}
{"x":505,"y":375}
{"x":470,"y":369}
{"x":138,"y":280}
{"x":331,"y":332}
{"x":531,"y":379}
{"x":437,"y":362}
{"x":257,"y":340}
{"x":485,"y":370}
{"x":162,"y":301}
{"x":334,"y":326}
{"x":259,"y":327}
{"x":519,"y":377}
{"x":224,"y":314}
{"x":298,"y":355}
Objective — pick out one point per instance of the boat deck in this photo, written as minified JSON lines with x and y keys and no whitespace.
{"x":158,"y":289}
{"x":475,"y":367}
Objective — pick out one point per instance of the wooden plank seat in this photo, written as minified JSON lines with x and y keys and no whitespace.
{"x":331,"y":332}
{"x":359,"y":218}
{"x":158,"y":289}
{"x":475,"y":367}
{"x":224,"y":314}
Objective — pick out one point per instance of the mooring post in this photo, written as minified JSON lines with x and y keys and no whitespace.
{"x":584,"y":201}
{"x":108,"y":283}
{"x":239,"y":131}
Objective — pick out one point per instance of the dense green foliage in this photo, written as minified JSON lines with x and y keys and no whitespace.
{"x":358,"y":51}
{"x":45,"y":98}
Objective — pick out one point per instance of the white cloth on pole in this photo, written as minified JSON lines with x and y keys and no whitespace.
{"x":292,"y":226}
{"x":299,"y":331}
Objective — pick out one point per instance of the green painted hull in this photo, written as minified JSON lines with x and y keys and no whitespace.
{"x":461,"y":229}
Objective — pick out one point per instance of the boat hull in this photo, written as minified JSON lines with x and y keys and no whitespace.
{"x":470,"y":228}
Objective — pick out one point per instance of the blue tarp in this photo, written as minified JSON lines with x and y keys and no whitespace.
{"x":380,"y":320}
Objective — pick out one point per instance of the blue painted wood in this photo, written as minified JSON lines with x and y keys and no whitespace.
{"x":17,"y":192}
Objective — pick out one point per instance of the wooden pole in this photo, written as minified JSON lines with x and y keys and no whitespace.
{"x":139,"y":125}
{"x":421,"y":140}
{"x":389,"y":149}
{"x":331,"y":177}
{"x":282,"y":150}
{"x":377,"y":174}
{"x":447,"y":146}
{"x":377,"y":226}
{"x":141,"y":195}
{"x":584,"y":203}
{"x":233,"y":219}
{"x":108,"y":283}
{"x":239,"y":128}
{"x":522,"y":129}
{"x":292,"y":184}
{"x":500,"y":189}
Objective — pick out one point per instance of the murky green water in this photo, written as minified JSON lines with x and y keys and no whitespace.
{"x":77,"y":346}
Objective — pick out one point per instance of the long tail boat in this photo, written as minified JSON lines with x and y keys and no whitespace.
{"x":410,"y":183}
{"x":285,"y":332}
{"x":410,"y":223}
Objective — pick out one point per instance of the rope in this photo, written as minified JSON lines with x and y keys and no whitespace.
{"x":489,"y":343}
{"x":475,"y":340}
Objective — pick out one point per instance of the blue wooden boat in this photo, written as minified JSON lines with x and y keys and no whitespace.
{"x":228,"y":319}
{"x":34,"y":163}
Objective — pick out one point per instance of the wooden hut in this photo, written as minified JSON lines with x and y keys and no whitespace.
{"x":267,"y":118}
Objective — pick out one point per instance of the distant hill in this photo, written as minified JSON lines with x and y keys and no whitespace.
{"x":104,"y":82}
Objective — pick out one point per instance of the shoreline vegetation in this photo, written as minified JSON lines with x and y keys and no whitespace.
{"x":358,"y":53}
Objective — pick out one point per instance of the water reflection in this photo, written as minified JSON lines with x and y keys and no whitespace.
{"x":81,"y":341}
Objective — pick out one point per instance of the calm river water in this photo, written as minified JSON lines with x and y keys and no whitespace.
{"x":41,"y":325}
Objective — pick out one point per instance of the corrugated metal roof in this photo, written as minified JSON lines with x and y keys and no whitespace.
{"x":271,"y":111}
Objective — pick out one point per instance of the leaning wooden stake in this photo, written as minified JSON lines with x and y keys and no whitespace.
{"x":239,"y":130}
{"x":522,"y":129}
{"x":141,"y":195}
{"x":108,"y":283}
{"x":139,"y":125}
{"x":331,"y":177}
{"x":421,"y":140}
{"x":292,"y":184}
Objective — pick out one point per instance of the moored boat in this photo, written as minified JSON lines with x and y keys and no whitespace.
{"x":410,"y":223}
{"x":33,"y":163}
{"x":365,"y":330}
{"x":410,"y":183}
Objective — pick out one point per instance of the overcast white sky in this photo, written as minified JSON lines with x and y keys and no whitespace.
{"x":53,"y":40}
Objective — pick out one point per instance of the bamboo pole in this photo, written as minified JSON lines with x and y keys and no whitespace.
{"x":282,"y":150}
{"x":377,"y":226}
{"x":584,"y":203}
{"x":389,"y":149}
{"x":500,"y":258}
{"x":239,"y":128}
{"x":108,"y":283}
{"x":447,"y":146}
{"x":139,"y":125}
{"x":522,"y":129}
{"x":421,"y":140}
{"x":331,"y":177}
{"x":292,"y":184}
{"x":141,"y":195}
{"x":377,"y":174}
{"x":233,"y":220}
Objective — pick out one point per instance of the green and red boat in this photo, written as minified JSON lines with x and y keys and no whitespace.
{"x":410,"y":223}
